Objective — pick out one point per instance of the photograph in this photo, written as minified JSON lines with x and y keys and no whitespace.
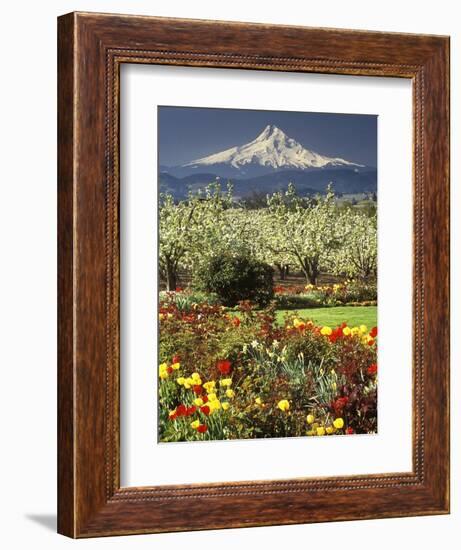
{"x":267,"y":274}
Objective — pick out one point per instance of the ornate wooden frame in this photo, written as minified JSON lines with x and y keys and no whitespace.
{"x":91,"y":48}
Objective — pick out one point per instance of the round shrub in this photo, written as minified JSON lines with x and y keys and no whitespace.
{"x":237,"y":278}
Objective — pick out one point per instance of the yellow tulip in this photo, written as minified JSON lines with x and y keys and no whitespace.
{"x":230,"y":393}
{"x":310,"y":418}
{"x":258,"y":401}
{"x":181,"y":380}
{"x":225,"y":405}
{"x":330,"y":430}
{"x":209,"y":386}
{"x":338,"y":423}
{"x":283,"y":405}
{"x":326,"y":331}
{"x":225,"y":382}
{"x":198,"y":402}
{"x":175,"y":366}
{"x":347,"y":331}
{"x":195,"y":424}
{"x":214,"y":405}
{"x":320,"y":430}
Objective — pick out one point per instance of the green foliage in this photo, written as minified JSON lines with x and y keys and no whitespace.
{"x":343,"y":294}
{"x":237,"y":278}
{"x":187,"y":300}
{"x":350,"y":293}
{"x":297,"y":301}
{"x":359,"y":291}
{"x":307,"y":346}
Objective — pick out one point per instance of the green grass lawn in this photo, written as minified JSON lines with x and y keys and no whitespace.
{"x":333,"y":316}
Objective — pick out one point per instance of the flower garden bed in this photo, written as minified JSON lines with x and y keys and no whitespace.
{"x":223,"y":376}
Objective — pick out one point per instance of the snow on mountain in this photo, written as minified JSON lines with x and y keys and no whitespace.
{"x":272,"y":149}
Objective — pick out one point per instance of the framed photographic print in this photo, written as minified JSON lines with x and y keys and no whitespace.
{"x":253,"y":275}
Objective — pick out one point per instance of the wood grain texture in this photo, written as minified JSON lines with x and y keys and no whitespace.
{"x":91,"y":49}
{"x":66,"y":108}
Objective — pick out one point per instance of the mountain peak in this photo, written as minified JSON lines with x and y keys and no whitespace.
{"x":272,"y":149}
{"x":271,"y":131}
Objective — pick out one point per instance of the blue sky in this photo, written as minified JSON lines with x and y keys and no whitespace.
{"x":188,"y":133}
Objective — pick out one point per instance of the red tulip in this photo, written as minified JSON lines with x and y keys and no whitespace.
{"x":372,"y":369}
{"x":337,"y":333}
{"x":205,"y":410}
{"x":181,"y":410}
{"x":374,"y":332}
{"x":340,"y":403}
{"x":224,"y":366}
{"x":202,"y":428}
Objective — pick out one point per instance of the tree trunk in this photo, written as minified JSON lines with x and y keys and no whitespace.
{"x":283,"y":271}
{"x":311,"y":277}
{"x":311,"y":271}
{"x":171,"y":276}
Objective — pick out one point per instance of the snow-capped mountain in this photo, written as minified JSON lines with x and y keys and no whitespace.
{"x":267,"y":164}
{"x":271,"y":150}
